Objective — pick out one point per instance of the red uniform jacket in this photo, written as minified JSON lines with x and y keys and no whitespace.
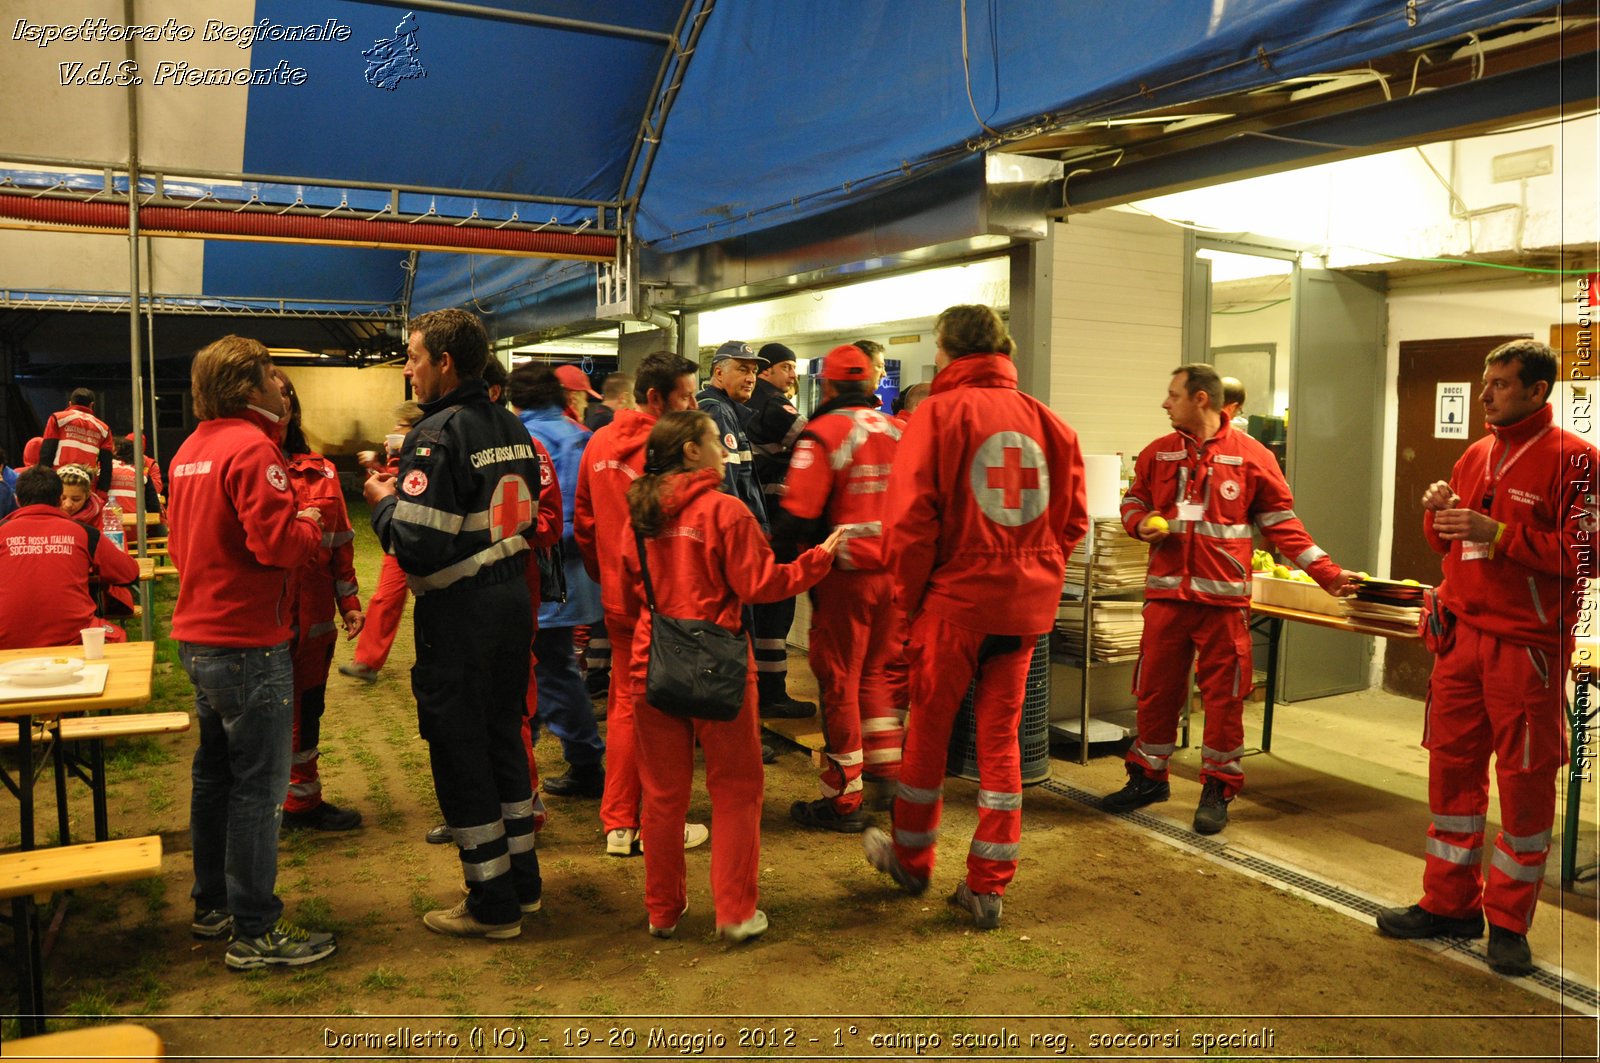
{"x":613,"y":459}
{"x":45,"y":565}
{"x":1237,"y":480}
{"x":551,"y":522}
{"x":710,"y":559}
{"x":124,"y":493}
{"x":325,"y":586}
{"x":840,"y":469}
{"x":81,"y":439}
{"x":986,"y":501}
{"x":235,"y":537}
{"x":1527,"y":589}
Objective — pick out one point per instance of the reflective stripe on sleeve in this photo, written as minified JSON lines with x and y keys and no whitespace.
{"x":1310,"y":556}
{"x":470,"y":566}
{"x":1267,"y":520}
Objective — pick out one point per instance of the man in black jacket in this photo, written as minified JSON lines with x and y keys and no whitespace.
{"x":774,"y":426}
{"x":459,"y":519}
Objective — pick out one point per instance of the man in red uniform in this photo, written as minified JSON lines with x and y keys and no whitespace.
{"x":986,"y":501}
{"x":325,"y":583}
{"x":237,"y":537}
{"x":75,"y":436}
{"x":614,"y":458}
{"x":1516,"y":525}
{"x":837,"y":478}
{"x":1197,"y":497}
{"x":45,"y":561}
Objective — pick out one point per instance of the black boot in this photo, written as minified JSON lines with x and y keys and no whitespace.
{"x":581,"y":780}
{"x":1140,"y":790}
{"x":1417,"y":922}
{"x":1508,"y":952}
{"x":1212,"y":815}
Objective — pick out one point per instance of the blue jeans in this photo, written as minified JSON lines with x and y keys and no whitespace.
{"x":564,"y":705}
{"x":244,"y":703}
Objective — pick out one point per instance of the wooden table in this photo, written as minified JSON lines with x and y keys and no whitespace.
{"x":147,"y":568}
{"x":130,"y":521}
{"x":129,"y":683}
{"x":1273,"y":617}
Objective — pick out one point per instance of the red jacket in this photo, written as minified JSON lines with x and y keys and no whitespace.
{"x":1527,"y":590}
{"x":325,"y":586}
{"x":613,"y":459}
{"x":45,"y":564}
{"x":234,"y":538}
{"x":1238,"y":481}
{"x":82,"y":438}
{"x":124,"y":493}
{"x":839,"y":470}
{"x":711,"y":558}
{"x":986,"y":501}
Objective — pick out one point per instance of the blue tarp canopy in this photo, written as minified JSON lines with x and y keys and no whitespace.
{"x":780,"y":111}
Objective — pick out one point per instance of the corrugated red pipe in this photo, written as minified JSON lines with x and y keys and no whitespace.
{"x":301,"y":228}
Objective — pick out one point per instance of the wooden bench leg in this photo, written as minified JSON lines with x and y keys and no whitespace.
{"x":58,"y":754}
{"x":97,"y":787}
{"x":30,"y":967}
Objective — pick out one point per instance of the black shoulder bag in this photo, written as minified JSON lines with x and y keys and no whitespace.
{"x":697,"y":668}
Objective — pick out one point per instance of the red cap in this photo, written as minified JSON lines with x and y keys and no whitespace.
{"x":574,"y":379}
{"x":847,"y":363}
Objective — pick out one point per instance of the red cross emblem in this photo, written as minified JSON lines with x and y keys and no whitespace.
{"x":1010,"y":479}
{"x":510,"y":508}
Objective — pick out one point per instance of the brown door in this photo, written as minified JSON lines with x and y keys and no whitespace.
{"x":1421,"y":459}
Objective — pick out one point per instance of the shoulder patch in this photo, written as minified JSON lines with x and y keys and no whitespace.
{"x":545,"y":476}
{"x":731,"y":443}
{"x":805,"y":453}
{"x":415,"y":483}
{"x":328,"y":471}
{"x":422,"y":452}
{"x":277,"y":477}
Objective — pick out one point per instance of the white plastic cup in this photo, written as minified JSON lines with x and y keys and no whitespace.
{"x":393,"y":442}
{"x":94,"y":643}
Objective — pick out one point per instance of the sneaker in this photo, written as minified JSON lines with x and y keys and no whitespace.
{"x":285,"y":945}
{"x":880,"y":854}
{"x":460,"y":922}
{"x":527,"y":907}
{"x":357,"y":670}
{"x":738,"y":933}
{"x":211,"y":923}
{"x":985,"y":907}
{"x":1140,"y":790}
{"x":694,"y":836}
{"x":326,"y":816}
{"x":1212,"y":815}
{"x":781,"y":706}
{"x":588,"y":780}
{"x":668,"y":931}
{"x":821,"y":815}
{"x":439,"y":835}
{"x":1508,"y":952}
{"x":624,"y":841}
{"x":1417,"y":922}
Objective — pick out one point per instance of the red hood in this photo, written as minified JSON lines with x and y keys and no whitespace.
{"x":630,"y":429}
{"x":681,"y":489}
{"x":978,"y":371}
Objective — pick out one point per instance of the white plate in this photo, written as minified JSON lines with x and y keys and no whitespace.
{"x":42,"y":671}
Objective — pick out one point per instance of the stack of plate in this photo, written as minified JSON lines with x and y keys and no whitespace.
{"x":1387,"y":601}
{"x":42,"y":671}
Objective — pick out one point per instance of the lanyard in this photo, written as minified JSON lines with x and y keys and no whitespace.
{"x":1494,"y":475}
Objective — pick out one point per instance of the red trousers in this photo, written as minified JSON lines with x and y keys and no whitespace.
{"x":852,"y":636}
{"x":944,"y":658}
{"x":384,"y":609}
{"x":1173,"y":633}
{"x":311,"y":662}
{"x":619,"y":804}
{"x":530,"y":712}
{"x":1489,"y":696}
{"x":734,"y":779}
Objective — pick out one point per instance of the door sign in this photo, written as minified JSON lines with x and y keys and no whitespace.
{"x":1451,"y":411}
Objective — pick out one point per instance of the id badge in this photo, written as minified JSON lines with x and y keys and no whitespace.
{"x":1191,"y":511}
{"x":1475,"y":551}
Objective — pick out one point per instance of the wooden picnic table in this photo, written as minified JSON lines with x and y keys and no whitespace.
{"x":129,"y":682}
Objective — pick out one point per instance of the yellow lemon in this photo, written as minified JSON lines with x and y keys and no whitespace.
{"x":1282,"y":572}
{"x":1155,"y":522}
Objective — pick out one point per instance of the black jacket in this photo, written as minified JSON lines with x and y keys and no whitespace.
{"x":774,"y":426}
{"x":739,"y":476}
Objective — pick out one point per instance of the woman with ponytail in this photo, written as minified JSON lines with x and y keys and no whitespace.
{"x":707,"y":558}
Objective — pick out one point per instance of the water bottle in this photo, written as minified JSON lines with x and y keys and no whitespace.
{"x":111,"y":524}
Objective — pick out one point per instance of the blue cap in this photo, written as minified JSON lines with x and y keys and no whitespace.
{"x":740,"y":350}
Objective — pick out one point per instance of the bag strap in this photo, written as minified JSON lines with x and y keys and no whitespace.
{"x":644,"y":570}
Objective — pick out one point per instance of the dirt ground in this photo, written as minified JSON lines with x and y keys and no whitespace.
{"x":1114,"y":944}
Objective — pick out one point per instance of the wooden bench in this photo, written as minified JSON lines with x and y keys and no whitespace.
{"x":27,"y":875}
{"x":123,"y":1040}
{"x":93,"y":730}
{"x":166,"y":570}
